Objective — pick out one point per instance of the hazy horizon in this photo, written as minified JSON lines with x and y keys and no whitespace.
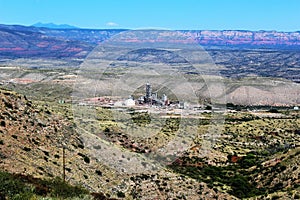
{"x":251,"y":15}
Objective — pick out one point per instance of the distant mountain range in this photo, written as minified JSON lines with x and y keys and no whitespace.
{"x":57,"y":41}
{"x":54,"y":26}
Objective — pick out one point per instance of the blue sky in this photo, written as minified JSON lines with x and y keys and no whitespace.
{"x":281,"y":15}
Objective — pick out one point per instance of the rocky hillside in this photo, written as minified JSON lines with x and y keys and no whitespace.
{"x":32,"y":137}
{"x":31,"y":143}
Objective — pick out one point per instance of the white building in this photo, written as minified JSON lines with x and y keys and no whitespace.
{"x":129,"y":103}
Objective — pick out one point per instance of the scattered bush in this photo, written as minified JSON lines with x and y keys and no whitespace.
{"x":229,"y":175}
{"x":273,"y":110}
{"x":86,"y":159}
{"x":14,"y":136}
{"x":13,"y":188}
{"x":64,"y":190}
{"x":208,"y":107}
{"x":3,"y":123}
{"x":20,"y":187}
{"x":99,"y":172}
{"x":120,"y":194}
{"x":248,"y":161}
{"x":27,"y":149}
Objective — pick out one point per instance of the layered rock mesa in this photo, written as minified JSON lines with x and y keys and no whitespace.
{"x":266,"y":39}
{"x":23,"y":41}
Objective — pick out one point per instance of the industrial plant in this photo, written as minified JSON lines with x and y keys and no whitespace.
{"x":150,"y":101}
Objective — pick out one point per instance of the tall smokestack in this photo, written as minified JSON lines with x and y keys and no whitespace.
{"x":148,"y":91}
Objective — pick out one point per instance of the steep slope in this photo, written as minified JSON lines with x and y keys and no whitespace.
{"x":280,"y":175}
{"x":31,"y":141}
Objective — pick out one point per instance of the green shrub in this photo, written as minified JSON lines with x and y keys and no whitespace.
{"x":273,"y":110}
{"x":19,"y":187}
{"x":13,"y":188}
{"x":62,"y":189}
{"x":248,"y":161}
{"x":230,"y":175}
{"x":120,"y":194}
{"x":86,"y":159}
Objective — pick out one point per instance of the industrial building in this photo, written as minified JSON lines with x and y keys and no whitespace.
{"x":151,"y":98}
